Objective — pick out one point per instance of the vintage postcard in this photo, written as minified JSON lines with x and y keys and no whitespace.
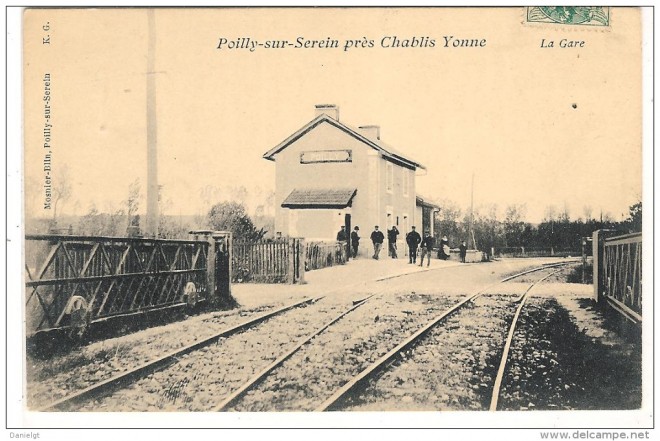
{"x":417,"y":217}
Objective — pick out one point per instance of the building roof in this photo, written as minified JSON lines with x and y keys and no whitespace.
{"x":319,"y":198}
{"x":387,"y":151}
{"x":424,"y":202}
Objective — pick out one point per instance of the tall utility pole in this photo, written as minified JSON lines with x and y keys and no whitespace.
{"x":151,"y":228}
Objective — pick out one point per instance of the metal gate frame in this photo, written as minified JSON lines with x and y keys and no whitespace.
{"x":76,"y":281}
{"x":618,"y":272}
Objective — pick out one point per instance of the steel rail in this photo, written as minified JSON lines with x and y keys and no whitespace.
{"x":257,"y":378}
{"x":238,"y":393}
{"x":104,"y":387}
{"x":114,"y":383}
{"x":379,"y":364}
{"x":507,"y":345}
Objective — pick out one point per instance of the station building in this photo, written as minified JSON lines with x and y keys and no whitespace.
{"x":329,"y":174}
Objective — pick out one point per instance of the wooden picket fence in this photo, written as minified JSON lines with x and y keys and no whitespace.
{"x":324,"y":254}
{"x":282,"y":260}
{"x":267,"y":261}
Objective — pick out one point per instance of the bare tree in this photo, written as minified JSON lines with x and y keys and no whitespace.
{"x":168,"y":226}
{"x":269,"y":203}
{"x":61,"y":188}
{"x":132,"y":203}
{"x":550,"y":213}
{"x":514,"y":223}
{"x":116,"y":218}
{"x":208,"y":194}
{"x":447,"y":222}
{"x":565,"y":215}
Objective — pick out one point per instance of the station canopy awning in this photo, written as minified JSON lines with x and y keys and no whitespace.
{"x":425,"y":202}
{"x":320,"y":198}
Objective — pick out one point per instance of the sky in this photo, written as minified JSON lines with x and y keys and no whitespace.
{"x":535,"y":126}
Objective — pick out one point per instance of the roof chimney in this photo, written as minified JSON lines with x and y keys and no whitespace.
{"x":328,"y":109}
{"x":371,"y":132}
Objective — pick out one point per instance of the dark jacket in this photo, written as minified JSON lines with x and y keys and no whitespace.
{"x":377,"y":237}
{"x":392,"y":234}
{"x":355,"y":238}
{"x":413,"y":239}
{"x":463,"y":249}
{"x":341,"y":236}
{"x":428,"y":242}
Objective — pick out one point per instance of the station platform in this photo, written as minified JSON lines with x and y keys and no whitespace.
{"x":327,"y":281}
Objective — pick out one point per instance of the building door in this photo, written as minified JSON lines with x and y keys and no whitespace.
{"x":426,"y":219}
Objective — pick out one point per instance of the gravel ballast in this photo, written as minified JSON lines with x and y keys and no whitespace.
{"x":567,"y":353}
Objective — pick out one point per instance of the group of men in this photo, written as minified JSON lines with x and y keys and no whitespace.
{"x":413,"y":239}
{"x":342,"y":236}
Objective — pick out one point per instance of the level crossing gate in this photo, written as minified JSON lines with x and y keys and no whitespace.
{"x":72,"y":282}
{"x":618,"y":272}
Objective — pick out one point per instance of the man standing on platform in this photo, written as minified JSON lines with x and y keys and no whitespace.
{"x":391,"y":241}
{"x":355,"y":241}
{"x":342,"y":236}
{"x":413,"y":239}
{"x":427,"y":248}
{"x":377,"y":239}
{"x":463,"y":251}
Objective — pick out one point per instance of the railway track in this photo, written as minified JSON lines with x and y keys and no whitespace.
{"x":352,"y":387}
{"x":124,"y":379}
{"x":320,"y":367}
{"x":138,"y":371}
{"x":507,"y":344}
{"x":238,"y":393}
{"x":230,"y":400}
{"x":296,"y":397}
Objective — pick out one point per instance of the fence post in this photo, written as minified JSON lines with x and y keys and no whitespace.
{"x":598,"y":264}
{"x":207,"y":235}
{"x":218,"y":285}
{"x":290,"y":272}
{"x":210,"y":270}
{"x":301,"y":261}
{"x":223,"y":281}
{"x":584,"y":260}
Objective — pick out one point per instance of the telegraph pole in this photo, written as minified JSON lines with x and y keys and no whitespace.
{"x":151,"y":228}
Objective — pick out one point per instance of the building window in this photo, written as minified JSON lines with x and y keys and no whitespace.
{"x":389,"y":171}
{"x":405,"y":177}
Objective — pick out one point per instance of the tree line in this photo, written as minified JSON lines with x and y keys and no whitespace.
{"x":489,"y":229}
{"x":225,"y":209}
{"x":226,"y":214}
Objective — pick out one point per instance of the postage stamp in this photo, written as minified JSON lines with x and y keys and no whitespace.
{"x":570,"y":15}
